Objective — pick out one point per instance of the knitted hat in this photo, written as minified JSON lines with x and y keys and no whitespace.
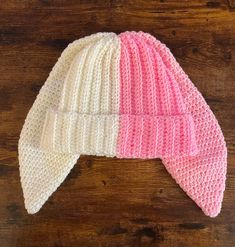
{"x":126,"y":96}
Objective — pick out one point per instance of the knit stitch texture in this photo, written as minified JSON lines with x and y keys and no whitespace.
{"x":126,"y":96}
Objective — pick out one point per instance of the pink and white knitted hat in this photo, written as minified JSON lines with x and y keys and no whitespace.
{"x":126,"y":96}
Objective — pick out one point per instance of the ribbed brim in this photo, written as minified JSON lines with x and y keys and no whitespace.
{"x":150,"y":136}
{"x":124,"y":136}
{"x":70,"y":132}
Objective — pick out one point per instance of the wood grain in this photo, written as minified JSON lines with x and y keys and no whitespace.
{"x":110,"y":202}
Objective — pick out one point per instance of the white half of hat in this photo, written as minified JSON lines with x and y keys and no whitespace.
{"x":43,"y":171}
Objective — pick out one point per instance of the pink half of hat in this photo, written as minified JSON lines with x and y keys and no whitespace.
{"x":185,"y":134}
{"x":184,"y":118}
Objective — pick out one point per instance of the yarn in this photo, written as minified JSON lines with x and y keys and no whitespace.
{"x":126,"y":96}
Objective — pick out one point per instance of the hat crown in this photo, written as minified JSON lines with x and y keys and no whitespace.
{"x":148,"y":86}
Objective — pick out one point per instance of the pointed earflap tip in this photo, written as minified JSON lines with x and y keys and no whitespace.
{"x":211,"y":213}
{"x":32,"y":209}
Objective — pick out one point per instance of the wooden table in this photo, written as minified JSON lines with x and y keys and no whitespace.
{"x":108,"y":202}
